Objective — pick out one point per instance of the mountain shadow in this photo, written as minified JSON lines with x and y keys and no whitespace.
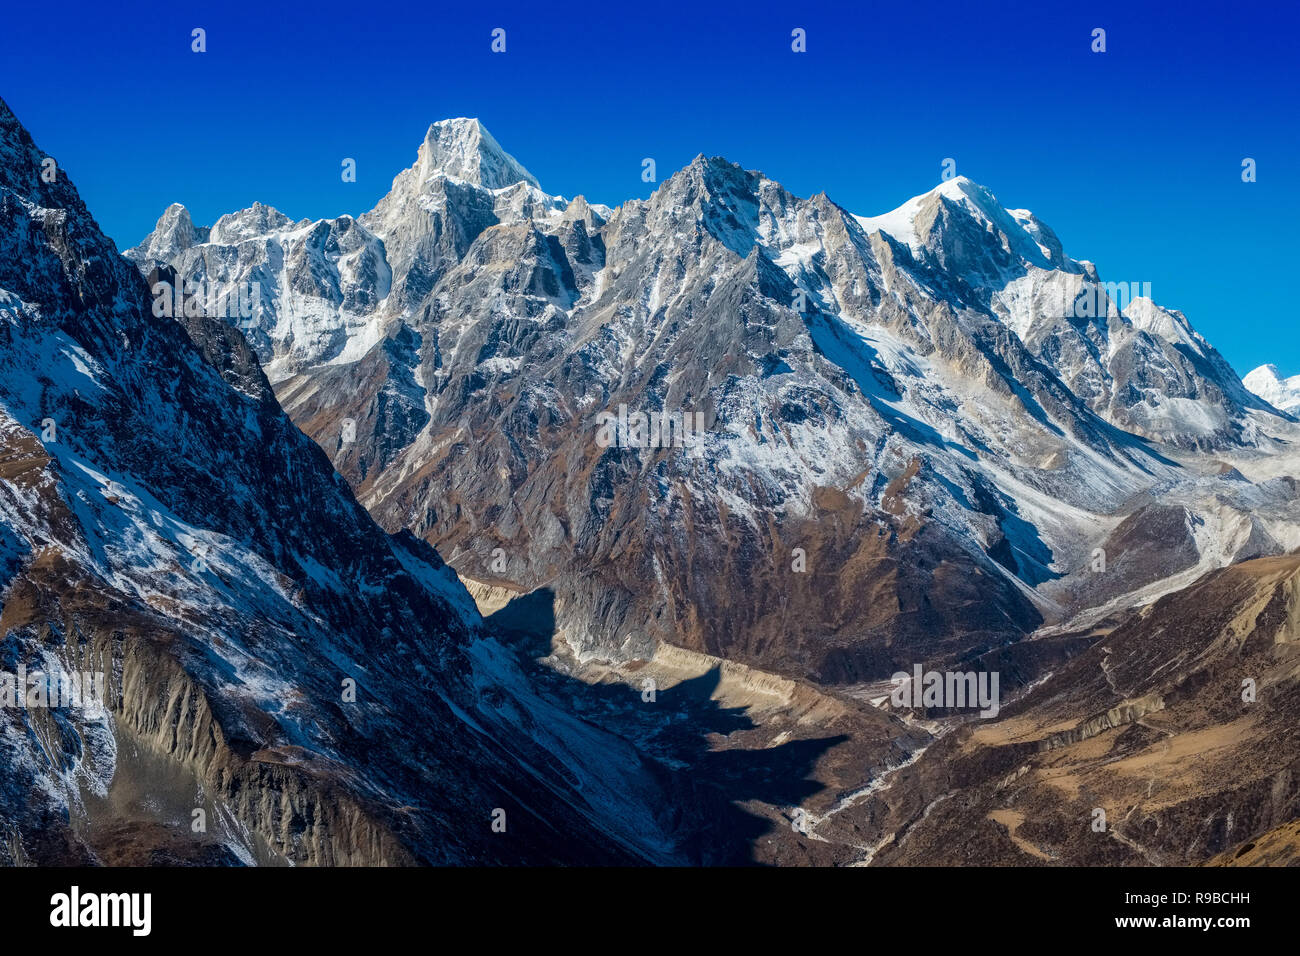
{"x":695,"y":743}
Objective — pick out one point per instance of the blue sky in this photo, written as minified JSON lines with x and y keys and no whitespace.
{"x":1133,"y":156}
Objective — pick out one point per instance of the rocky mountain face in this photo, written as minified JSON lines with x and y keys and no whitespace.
{"x":284,"y":681}
{"x":925,"y":434}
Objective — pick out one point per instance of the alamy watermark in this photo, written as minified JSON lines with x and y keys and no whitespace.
{"x":196,"y":298}
{"x":74,"y":908}
{"x":1094,"y":299}
{"x":39,"y":689}
{"x":638,"y":429}
{"x":956,"y":689}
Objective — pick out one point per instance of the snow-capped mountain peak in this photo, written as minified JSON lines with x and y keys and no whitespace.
{"x":926,"y":219}
{"x":463,"y":149}
{"x":258,"y":219}
{"x":174,"y":233}
{"x":1267,"y":382}
{"x":900,"y":223}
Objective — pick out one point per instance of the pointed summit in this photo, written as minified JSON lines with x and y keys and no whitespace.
{"x":960,"y":205}
{"x":258,"y":219}
{"x":1267,"y":382}
{"x":174,"y":233}
{"x":463,"y":149}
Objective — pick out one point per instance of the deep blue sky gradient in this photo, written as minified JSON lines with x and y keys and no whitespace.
{"x":1132,"y":156}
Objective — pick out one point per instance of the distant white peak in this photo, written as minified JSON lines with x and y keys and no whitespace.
{"x":258,"y":219}
{"x":175,"y":221}
{"x":976,"y":198}
{"x":174,"y":232}
{"x":463,"y":149}
{"x":1265,"y":373}
{"x":959,"y":187}
{"x":901,"y":222}
{"x":1268,"y":384}
{"x":1024,"y":233}
{"x":984,"y":206}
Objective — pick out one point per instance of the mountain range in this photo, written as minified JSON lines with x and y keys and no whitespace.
{"x":930,"y":438}
{"x":942,"y":411}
